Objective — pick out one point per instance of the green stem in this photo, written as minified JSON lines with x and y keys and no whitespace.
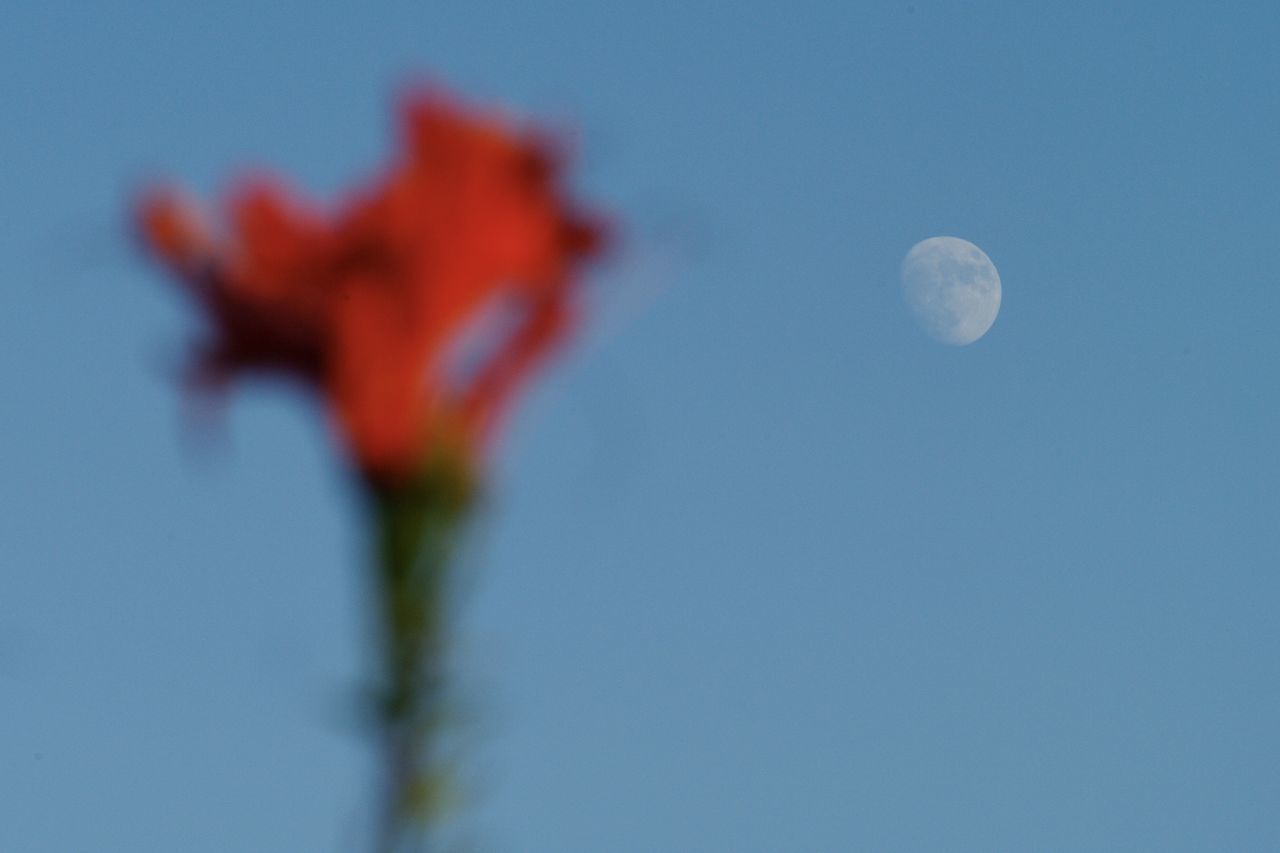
{"x":418,"y":525}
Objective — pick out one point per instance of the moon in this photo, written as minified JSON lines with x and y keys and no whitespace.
{"x":952,"y":288}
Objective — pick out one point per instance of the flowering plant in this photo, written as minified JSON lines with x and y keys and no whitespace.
{"x":413,"y":311}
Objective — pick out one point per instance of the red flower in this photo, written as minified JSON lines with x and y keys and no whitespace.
{"x":370,"y":304}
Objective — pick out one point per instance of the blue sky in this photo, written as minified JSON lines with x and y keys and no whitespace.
{"x":764,"y":568}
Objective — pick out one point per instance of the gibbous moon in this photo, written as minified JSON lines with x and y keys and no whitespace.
{"x":952,"y":288}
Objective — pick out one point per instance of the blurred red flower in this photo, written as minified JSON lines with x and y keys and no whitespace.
{"x":373,"y":305}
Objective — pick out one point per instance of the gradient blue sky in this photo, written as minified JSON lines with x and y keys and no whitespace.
{"x":765,"y":568}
